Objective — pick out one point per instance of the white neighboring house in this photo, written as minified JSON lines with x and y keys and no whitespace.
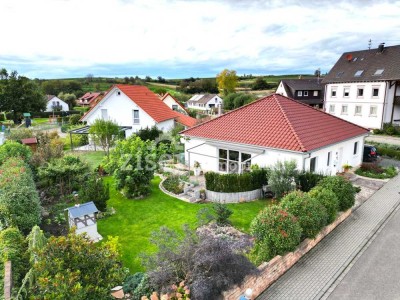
{"x":56,"y":104}
{"x":204,"y":102}
{"x":307,"y":90}
{"x":173,"y":104}
{"x":275,"y":128}
{"x":363,"y":87}
{"x":83,"y":217}
{"x":135,"y":107}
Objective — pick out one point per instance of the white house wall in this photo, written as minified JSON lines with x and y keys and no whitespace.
{"x":281,"y":90}
{"x":169,"y":101}
{"x":340,"y":154}
{"x":366,"y":101}
{"x":396,"y":112}
{"x":49,"y":106}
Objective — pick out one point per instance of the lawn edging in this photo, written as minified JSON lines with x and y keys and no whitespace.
{"x":161,"y":187}
{"x":270,"y":271}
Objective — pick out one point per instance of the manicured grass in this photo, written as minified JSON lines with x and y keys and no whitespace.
{"x":39,"y":121}
{"x":136,"y":219}
{"x":93,"y":158}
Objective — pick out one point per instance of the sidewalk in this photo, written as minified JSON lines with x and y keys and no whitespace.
{"x":314,"y":274}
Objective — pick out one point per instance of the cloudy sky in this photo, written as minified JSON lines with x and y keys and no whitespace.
{"x":177,"y":39}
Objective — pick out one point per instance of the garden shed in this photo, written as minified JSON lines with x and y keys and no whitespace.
{"x":83,"y":217}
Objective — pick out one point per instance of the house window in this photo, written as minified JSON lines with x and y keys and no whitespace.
{"x":174,"y":107}
{"x":375,"y":92}
{"x":136,"y":119}
{"x":305,"y":93}
{"x":355,"y":148}
{"x":315,"y":94}
{"x":344,"y":109}
{"x":346,"y":92}
{"x":313,"y":164}
{"x":379,"y":72}
{"x":216,"y":100}
{"x":373,"y":109}
{"x":333,"y":92}
{"x":104,"y":114}
{"x":299,"y":93}
{"x":332,"y":108}
{"x":357,"y":111}
{"x":229,"y":161}
{"x":360,"y":92}
{"x":358,"y":73}
{"x":328,"y":162}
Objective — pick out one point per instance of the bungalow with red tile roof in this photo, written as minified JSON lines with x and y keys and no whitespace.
{"x":136,"y":107}
{"x":173,"y":103}
{"x":275,"y":128}
{"x":89,"y":99}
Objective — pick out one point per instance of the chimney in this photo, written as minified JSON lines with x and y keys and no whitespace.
{"x":381,"y":47}
{"x":219,"y":110}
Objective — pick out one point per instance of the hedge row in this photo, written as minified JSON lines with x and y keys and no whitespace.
{"x":46,"y":114}
{"x":235,"y":183}
{"x":19,"y":199}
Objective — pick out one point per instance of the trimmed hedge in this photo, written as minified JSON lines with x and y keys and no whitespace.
{"x":307,"y":180}
{"x":46,"y":114}
{"x":19,"y":199}
{"x":235,"y":183}
{"x":14,"y":149}
{"x":328,"y":199}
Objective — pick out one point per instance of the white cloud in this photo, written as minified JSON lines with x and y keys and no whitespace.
{"x":55,"y":36}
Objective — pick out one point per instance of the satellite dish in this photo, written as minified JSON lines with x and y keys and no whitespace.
{"x":349,"y":57}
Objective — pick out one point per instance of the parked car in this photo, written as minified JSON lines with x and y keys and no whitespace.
{"x":370,"y":153}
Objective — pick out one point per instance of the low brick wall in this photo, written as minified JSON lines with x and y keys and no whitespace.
{"x":233,"y":197}
{"x":276,"y":267}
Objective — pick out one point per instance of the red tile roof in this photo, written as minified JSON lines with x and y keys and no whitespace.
{"x":185,"y":120}
{"x":278,"y":122}
{"x":88,"y":97}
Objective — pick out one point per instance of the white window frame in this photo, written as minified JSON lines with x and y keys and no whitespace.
{"x":375,"y":88}
{"x":333,"y":92}
{"x":299,"y":93}
{"x":136,"y":119}
{"x":305,"y":93}
{"x":104,"y":113}
{"x":344,"y":111}
{"x":315,"y":159}
{"x":355,"y":110}
{"x":332,"y":108}
{"x":241,"y":165}
{"x":346,"y":89}
{"x":375,"y":107}
{"x":360,"y":88}
{"x":315,"y":94}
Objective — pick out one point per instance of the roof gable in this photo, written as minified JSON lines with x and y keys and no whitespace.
{"x":278,"y":122}
{"x":176,"y":101}
{"x":367,"y":61}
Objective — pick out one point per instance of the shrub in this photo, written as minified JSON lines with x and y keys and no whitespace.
{"x":328,"y":199}
{"x":14,"y":149}
{"x":233,"y":183}
{"x":105,"y":133}
{"x":19,"y":200}
{"x":276,"y":231}
{"x":74,"y":119}
{"x":281,"y":177}
{"x":49,"y":147}
{"x":94,"y":189}
{"x":222,"y":213}
{"x":13,"y":248}
{"x":343,"y":190}
{"x":310,"y":213}
{"x":307,"y":180}
{"x":173,"y":184}
{"x":149,"y":133}
{"x":144,"y":288}
{"x":19,"y":134}
{"x":373,"y":170}
{"x":377,"y":131}
{"x":132,"y":282}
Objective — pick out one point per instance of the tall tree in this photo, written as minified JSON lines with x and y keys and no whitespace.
{"x":104,"y":133}
{"x":227,"y":81}
{"x":20,"y":94}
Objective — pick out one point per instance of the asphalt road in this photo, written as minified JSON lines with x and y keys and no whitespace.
{"x":376,"y":273}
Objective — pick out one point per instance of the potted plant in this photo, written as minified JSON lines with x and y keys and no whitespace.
{"x":203,"y":195}
{"x":346,"y":167}
{"x":197,"y":169}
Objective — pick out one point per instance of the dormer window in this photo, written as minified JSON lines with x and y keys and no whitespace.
{"x":299,"y":93}
{"x":379,"y":72}
{"x":358,"y":73}
{"x":355,"y":58}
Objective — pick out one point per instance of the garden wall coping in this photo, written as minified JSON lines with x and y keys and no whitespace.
{"x":233,"y":197}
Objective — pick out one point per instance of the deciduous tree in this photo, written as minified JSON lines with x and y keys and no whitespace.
{"x":227,"y":81}
{"x":105,"y":133}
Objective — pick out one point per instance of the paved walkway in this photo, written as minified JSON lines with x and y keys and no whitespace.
{"x":387,"y":139}
{"x":316,"y":272}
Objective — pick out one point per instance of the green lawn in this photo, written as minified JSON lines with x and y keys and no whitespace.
{"x":136,"y":219}
{"x":93,"y":158}
{"x":39,"y":121}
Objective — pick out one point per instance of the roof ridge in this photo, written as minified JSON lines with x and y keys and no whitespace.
{"x":303,"y":148}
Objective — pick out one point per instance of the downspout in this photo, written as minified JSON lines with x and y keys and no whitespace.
{"x":394,"y":96}
{"x":384,"y":105}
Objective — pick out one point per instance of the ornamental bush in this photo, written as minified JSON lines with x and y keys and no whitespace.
{"x":276,"y":232}
{"x":14,"y":149}
{"x":343,"y":189}
{"x":94,"y":189}
{"x":328,"y":199}
{"x":311,"y":214}
{"x":282,"y":176}
{"x":307,"y":180}
{"x":19,"y":200}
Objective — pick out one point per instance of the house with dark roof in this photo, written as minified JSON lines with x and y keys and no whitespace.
{"x":135,"y":107}
{"x":363,"y":87}
{"x":56,"y":104}
{"x":173,"y":103}
{"x":307,"y":90}
{"x":205,"y":102}
{"x":275,"y":128}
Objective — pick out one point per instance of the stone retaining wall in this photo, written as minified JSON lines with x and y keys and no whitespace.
{"x":276,"y":267}
{"x":233,"y":197}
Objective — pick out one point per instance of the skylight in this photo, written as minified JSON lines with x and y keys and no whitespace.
{"x":379,"y":71}
{"x":358,"y":73}
{"x":355,"y":58}
{"x":338,"y":75}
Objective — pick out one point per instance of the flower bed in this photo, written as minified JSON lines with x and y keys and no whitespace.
{"x":372,"y":170}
